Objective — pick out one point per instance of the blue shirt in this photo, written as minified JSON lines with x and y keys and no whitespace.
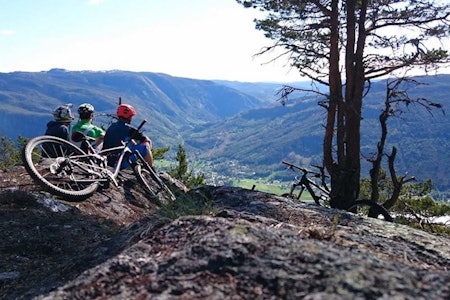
{"x":119,"y":132}
{"x":58,"y":129}
{"x":116,"y":134}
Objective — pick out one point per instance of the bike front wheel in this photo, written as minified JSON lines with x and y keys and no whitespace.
{"x":152,"y":184}
{"x":60,"y":167}
{"x":370,"y":208}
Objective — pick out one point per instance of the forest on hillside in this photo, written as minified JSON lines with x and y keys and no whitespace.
{"x":256,"y":132}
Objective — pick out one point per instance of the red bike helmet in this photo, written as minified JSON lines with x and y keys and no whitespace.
{"x":125,"y":111}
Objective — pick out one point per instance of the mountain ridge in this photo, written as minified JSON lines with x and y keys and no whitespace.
{"x":162,"y":102}
{"x":221,"y":121}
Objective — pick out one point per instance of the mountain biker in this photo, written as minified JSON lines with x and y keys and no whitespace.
{"x":60,"y":127}
{"x":85,"y":126}
{"x":121,"y":131}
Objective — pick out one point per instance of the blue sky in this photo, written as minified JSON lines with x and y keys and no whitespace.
{"x":202,"y":39}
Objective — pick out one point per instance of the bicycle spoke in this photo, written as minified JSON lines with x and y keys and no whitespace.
{"x":60,"y":167}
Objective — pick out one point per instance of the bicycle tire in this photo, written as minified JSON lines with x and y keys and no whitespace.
{"x":52,"y":162}
{"x":289,"y":196}
{"x":323,"y":201}
{"x":377,"y":208}
{"x":153,"y":185}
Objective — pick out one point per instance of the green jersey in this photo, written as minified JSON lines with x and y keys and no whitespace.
{"x":88,"y":129}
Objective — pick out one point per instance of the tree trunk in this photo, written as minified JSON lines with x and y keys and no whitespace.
{"x":345,"y":175}
{"x":334,"y":116}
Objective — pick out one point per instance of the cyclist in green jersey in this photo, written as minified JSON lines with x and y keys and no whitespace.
{"x":85,"y":126}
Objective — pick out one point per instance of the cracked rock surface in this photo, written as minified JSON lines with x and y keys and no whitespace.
{"x":249,"y":245}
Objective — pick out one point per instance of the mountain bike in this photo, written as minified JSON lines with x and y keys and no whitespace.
{"x":76,"y":173}
{"x":320,"y":192}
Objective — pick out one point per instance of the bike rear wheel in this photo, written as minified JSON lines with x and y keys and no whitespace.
{"x":153,"y":185}
{"x":60,"y":167}
{"x":368,"y":208}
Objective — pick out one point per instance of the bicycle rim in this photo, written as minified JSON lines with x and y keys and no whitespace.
{"x":60,"y":167}
{"x":364,"y":206}
{"x":153,"y":184}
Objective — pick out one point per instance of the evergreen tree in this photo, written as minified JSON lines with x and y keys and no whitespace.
{"x":158,"y":153}
{"x":181,"y":171}
{"x":343,"y":44}
{"x":10,"y":152}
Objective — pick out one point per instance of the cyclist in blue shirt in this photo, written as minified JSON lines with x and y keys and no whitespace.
{"x":60,"y":127}
{"x":121,"y":131}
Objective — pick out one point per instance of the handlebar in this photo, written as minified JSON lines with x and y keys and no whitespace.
{"x":292,"y":166}
{"x":142,"y":124}
{"x":320,"y":174}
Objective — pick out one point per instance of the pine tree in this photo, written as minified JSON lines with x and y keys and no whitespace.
{"x":181,"y":171}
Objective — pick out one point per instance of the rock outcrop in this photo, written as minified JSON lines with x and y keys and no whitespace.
{"x":252,"y":245}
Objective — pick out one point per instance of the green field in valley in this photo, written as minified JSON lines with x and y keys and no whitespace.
{"x":277,"y":188}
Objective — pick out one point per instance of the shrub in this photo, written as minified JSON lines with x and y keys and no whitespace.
{"x":10,"y":152}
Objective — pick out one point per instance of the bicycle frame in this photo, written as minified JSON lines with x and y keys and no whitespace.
{"x":97,"y":168}
{"x":305,"y":183}
{"x":308,"y":184}
{"x":99,"y":159}
{"x":323,"y":194}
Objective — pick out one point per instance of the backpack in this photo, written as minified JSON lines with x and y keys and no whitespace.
{"x":78,"y":138}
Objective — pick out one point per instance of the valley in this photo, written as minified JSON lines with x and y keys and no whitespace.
{"x":233,"y":131}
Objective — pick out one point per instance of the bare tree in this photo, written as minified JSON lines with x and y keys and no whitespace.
{"x":396,"y":103}
{"x":343,"y":44}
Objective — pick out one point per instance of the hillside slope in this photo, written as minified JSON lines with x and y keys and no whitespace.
{"x":262,"y":137}
{"x":170,"y":104}
{"x":222,"y":121}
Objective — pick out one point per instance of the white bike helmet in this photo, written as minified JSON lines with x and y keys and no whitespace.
{"x":85,"y":108}
{"x":85,"y":111}
{"x":63,"y":113}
